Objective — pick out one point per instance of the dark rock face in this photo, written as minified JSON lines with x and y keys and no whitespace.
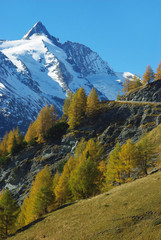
{"x":84,"y":60}
{"x":22,"y":168}
{"x":122,"y":121}
{"x":149,"y":93}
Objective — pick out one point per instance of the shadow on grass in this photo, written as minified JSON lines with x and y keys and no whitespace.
{"x":40,"y":219}
{"x":27,"y":226}
{"x":63,"y":206}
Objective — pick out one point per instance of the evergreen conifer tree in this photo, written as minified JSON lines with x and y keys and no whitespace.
{"x":62,"y":191}
{"x":83,"y":181}
{"x":145,"y":153}
{"x":92,"y":108}
{"x":40,"y":197}
{"x":66,"y":106}
{"x":3,"y":144}
{"x":77,"y":108}
{"x":127,"y":156}
{"x":31,"y":133}
{"x":114,"y":167}
{"x":158,"y":72}
{"x":46,"y":119}
{"x":9,"y":210}
{"x":126,"y":85}
{"x":148,"y":75}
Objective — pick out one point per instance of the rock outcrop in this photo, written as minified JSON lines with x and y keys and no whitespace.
{"x":148,"y":93}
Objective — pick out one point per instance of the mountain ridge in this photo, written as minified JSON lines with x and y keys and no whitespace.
{"x":44,"y":72}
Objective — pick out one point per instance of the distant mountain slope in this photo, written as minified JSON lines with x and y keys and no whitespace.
{"x":38,"y":69}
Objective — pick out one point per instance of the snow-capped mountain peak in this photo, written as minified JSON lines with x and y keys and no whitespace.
{"x":38,"y":29}
{"x":38,"y":69}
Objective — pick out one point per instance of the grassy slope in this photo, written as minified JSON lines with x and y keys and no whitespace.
{"x":130,"y":211}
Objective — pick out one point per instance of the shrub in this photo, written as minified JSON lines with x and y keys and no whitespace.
{"x":4,"y":161}
{"x":57,"y":131}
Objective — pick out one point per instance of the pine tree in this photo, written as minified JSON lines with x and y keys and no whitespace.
{"x":25,"y":216}
{"x":3,"y":144}
{"x":102,"y":167}
{"x":77,"y":108}
{"x":114,"y":168}
{"x":62,"y":191}
{"x":83,"y":181}
{"x":40,"y":197}
{"x":127,"y":157}
{"x":79,"y":149}
{"x":94,"y":150}
{"x":148,"y":75}
{"x":2,"y":230}
{"x":10,"y":140}
{"x":31,"y":133}
{"x":126,"y":85}
{"x":66,"y":106}
{"x":92,"y":108}
{"x":118,"y":96}
{"x":14,"y":141}
{"x":158,"y":72}
{"x":131,"y":84}
{"x":145,"y":153}
{"x":46,"y":119}
{"x":85,"y":177}
{"x":136,"y":80}
{"x":8,"y":213}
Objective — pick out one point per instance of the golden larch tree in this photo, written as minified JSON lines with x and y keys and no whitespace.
{"x":40,"y":197}
{"x":148,"y":75}
{"x":66,"y":105}
{"x":92,"y":107}
{"x":46,"y":119}
{"x":77,"y":108}
{"x":158,"y":72}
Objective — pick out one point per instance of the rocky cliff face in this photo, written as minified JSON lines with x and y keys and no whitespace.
{"x":149,"y":93}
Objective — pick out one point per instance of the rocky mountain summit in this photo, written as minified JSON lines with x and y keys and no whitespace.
{"x":38,"y":69}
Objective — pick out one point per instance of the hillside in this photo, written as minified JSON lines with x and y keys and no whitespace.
{"x":129,"y":211}
{"x":62,"y":165}
{"x":116,"y":122}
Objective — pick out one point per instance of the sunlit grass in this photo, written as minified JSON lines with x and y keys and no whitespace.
{"x":129,"y":211}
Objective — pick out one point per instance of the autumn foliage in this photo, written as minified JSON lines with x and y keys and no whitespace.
{"x":158,"y":72}
{"x":46,"y":119}
{"x":148,"y":75}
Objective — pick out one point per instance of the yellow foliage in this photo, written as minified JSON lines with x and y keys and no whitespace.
{"x":148,"y":75}
{"x":62,"y":191}
{"x":66,"y":106}
{"x":131,"y":84}
{"x":3,"y":144}
{"x":46,"y":119}
{"x":92,"y":107}
{"x":10,"y":140}
{"x":39,"y":198}
{"x":77,"y":108}
{"x":31,"y":132}
{"x":158,"y":72}
{"x":127,"y":157}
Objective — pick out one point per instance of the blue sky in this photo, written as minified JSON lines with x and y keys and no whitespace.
{"x":125,"y":33}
